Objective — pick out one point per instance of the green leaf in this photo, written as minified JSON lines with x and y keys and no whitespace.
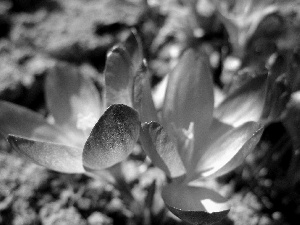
{"x":53,"y":156}
{"x":113,"y":137}
{"x":195,"y":205}
{"x":118,"y":77}
{"x":20,"y":121}
{"x":71,"y":97}
{"x":228,"y":151}
{"x":142,"y":98}
{"x":161,"y":149}
{"x":189,"y":96}
{"x":244,"y":104}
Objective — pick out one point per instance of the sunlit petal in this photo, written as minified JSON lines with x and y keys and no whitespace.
{"x":56,"y":157}
{"x":142,"y":98}
{"x":195,"y":205}
{"x":113,"y":137}
{"x":159,"y":92}
{"x":72,"y":97}
{"x":245,"y":104}
{"x":118,"y":77}
{"x":20,"y":121}
{"x":161,"y":149}
{"x":189,"y":96}
{"x":229,"y":151}
{"x":219,"y":96}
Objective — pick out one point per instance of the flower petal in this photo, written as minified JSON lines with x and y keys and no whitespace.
{"x":71,"y":97}
{"x":118,"y":77}
{"x":142,"y":98}
{"x":20,"y":121}
{"x":229,"y":151}
{"x":56,"y":157}
{"x":217,"y":129}
{"x":161,"y":149}
{"x":245,"y":104}
{"x":133,"y":45}
{"x":185,"y":142}
{"x":189,"y":97}
{"x":195,"y":205}
{"x":113,"y":137}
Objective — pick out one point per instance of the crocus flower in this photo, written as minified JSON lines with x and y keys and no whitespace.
{"x":91,"y":130}
{"x":190,"y":145}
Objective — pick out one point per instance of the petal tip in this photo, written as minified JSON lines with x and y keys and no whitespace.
{"x":112,"y":138}
{"x":198,"y":217}
{"x":195,"y":204}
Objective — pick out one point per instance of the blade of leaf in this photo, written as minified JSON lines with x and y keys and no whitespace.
{"x":142,"y":98}
{"x":71,"y":97}
{"x":245,"y":104}
{"x":20,"y":121}
{"x":112,"y":138}
{"x":56,"y":157}
{"x":229,"y":151}
{"x":195,"y":205}
{"x":161,"y":149}
{"x":118,"y":77}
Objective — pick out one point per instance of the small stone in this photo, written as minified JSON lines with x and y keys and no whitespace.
{"x":98,"y":218}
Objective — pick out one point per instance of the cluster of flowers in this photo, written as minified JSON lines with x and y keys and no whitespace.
{"x":190,"y":140}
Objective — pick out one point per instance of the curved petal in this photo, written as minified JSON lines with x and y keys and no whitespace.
{"x":71,"y":98}
{"x":195,"y":205}
{"x":133,"y":45}
{"x":245,"y":104}
{"x":113,"y":137}
{"x":118,"y":77}
{"x":189,"y":96}
{"x":228,"y":151}
{"x":217,"y":129}
{"x":161,"y":149}
{"x":56,"y":157}
{"x":142,"y":98}
{"x":20,"y":121}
